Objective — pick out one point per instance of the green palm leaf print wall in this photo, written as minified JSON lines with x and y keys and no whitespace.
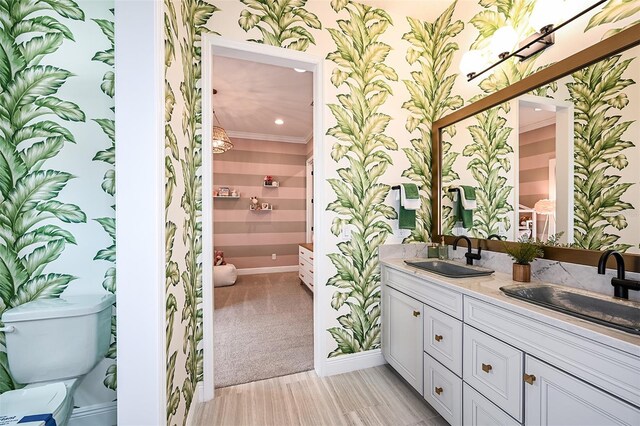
{"x":30,"y":235}
{"x":195,"y":14}
{"x":172,"y":269}
{"x":600,"y":149}
{"x":362,"y":144}
{"x":108,"y":185}
{"x":278,"y":22}
{"x":432,"y":48}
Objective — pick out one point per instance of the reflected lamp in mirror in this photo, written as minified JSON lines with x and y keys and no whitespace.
{"x":548,"y":208}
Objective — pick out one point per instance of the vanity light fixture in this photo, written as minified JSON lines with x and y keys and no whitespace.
{"x":279,"y":121}
{"x":220,"y":141}
{"x":543,"y":19}
{"x":299,"y":70}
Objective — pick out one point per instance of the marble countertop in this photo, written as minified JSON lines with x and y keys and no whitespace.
{"x":488,"y":289}
{"x":308,"y":246}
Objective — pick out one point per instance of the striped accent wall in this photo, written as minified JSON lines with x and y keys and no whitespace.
{"x":249,"y":238}
{"x":537,"y":147}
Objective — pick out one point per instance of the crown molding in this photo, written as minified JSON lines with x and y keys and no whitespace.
{"x":537,"y":125}
{"x":267,"y":137}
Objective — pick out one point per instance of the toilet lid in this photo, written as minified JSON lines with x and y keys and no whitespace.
{"x":46,"y":399}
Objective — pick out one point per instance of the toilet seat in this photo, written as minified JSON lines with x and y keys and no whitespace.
{"x":34,"y":400}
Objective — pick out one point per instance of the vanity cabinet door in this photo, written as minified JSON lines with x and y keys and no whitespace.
{"x":553,"y":397}
{"x":402,"y":335}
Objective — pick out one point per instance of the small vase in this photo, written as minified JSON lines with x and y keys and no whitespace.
{"x":521,"y":273}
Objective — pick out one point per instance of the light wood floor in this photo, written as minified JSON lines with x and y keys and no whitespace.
{"x":375,"y":396}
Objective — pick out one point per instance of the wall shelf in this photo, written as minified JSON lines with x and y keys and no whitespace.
{"x":261,"y":210}
{"x":227,"y":196}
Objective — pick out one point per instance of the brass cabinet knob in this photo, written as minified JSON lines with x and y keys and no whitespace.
{"x":438,"y":337}
{"x":486,"y":368}
{"x":416,"y":313}
{"x":529,"y":378}
{"x":438,"y":390}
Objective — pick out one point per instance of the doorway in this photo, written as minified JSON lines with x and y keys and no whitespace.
{"x":215,"y":46}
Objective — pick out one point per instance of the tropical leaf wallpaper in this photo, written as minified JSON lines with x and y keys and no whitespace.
{"x":432,"y":48}
{"x":388,"y":76}
{"x":55,"y":210}
{"x":602,"y":147}
{"x":361,"y":152}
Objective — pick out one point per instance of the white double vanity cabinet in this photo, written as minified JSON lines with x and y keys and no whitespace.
{"x":481,"y":358}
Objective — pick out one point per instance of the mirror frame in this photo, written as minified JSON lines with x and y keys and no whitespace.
{"x":615,"y":44}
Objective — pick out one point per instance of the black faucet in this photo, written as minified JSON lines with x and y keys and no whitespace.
{"x":621,"y":286}
{"x":470,"y":256}
{"x":494,"y":236}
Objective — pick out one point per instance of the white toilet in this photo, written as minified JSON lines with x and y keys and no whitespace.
{"x":51,"y":344}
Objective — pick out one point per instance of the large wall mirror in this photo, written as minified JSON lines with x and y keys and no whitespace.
{"x":555,"y":157}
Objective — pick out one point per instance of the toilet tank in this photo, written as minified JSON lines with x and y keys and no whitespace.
{"x":57,"y":339}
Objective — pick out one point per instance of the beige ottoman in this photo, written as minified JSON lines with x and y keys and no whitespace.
{"x":224,"y":275}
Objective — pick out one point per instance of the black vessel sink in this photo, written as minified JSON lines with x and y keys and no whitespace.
{"x":623,"y":314}
{"x":450,"y":269}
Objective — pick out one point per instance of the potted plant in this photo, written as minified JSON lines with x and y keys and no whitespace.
{"x":523,"y":252}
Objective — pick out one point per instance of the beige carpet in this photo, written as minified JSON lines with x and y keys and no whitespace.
{"x":263,"y":328}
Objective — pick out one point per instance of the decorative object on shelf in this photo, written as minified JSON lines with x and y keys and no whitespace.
{"x":523,"y":252}
{"x":270,"y":183}
{"x":220,"y":141}
{"x":266,"y":206}
{"x":223,"y":191}
{"x":255,"y":205}
{"x":234,"y":193}
{"x":543,"y":19}
{"x":219,"y":258}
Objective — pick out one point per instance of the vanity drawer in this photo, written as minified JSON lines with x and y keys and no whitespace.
{"x":443,"y":390}
{"x":443,"y":339}
{"x":479,"y":411}
{"x":434,"y":295}
{"x":494,"y":369}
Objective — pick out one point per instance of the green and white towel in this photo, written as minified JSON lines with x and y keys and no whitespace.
{"x":409,"y":203}
{"x":464,"y":207}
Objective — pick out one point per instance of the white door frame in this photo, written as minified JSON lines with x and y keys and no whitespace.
{"x":220,"y":46}
{"x":140,"y":235}
{"x":564,"y":155}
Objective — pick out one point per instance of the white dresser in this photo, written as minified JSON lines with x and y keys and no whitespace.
{"x":305,"y":267}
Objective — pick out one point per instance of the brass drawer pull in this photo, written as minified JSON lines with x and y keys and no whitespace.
{"x":486,"y":368}
{"x":529,"y":378}
{"x":438,"y":337}
{"x":301,"y":264}
{"x":438,"y":390}
{"x":416,"y":313}
{"x":301,"y":275}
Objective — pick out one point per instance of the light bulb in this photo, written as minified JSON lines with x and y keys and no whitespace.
{"x":545,"y":13}
{"x":279,"y":121}
{"x":571,"y":8}
{"x":471,"y":62}
{"x":503,"y":41}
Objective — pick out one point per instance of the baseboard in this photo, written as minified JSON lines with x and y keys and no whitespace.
{"x":353,"y":362}
{"x":268,"y":270}
{"x":105,"y":414}
{"x":195,"y":401}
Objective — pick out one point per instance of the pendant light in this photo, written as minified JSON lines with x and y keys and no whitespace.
{"x":220,"y":141}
